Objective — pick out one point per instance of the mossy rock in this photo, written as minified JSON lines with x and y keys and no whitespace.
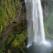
{"x":8,"y":12}
{"x":9,"y":9}
{"x":20,"y":39}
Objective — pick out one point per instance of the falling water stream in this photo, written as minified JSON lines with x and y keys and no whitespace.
{"x":38,"y":25}
{"x":36,"y":34}
{"x":37,"y":16}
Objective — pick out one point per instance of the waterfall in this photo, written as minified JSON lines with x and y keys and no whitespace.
{"x":37,"y":16}
{"x":38,"y":25}
{"x":35,"y":26}
{"x":29,"y":21}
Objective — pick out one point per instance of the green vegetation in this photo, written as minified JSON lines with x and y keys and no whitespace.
{"x":12,"y":26}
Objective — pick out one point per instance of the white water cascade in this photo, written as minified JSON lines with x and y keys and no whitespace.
{"x":36,"y":31}
{"x":38,"y":26}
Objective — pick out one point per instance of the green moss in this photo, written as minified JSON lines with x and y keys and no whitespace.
{"x":8,"y":10}
{"x":52,"y":52}
{"x":19,"y":40}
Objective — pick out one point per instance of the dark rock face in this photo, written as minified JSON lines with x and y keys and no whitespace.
{"x":45,"y":8}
